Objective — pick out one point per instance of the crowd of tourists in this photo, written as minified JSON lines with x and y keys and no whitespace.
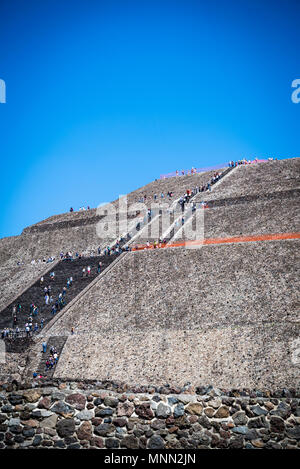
{"x":35,"y":262}
{"x":81,"y":209}
{"x":182,"y":202}
{"x":33,"y":324}
{"x":189,"y":193}
{"x":52,"y":358}
{"x":186,"y":172}
{"x":155,"y":197}
{"x":232,"y":164}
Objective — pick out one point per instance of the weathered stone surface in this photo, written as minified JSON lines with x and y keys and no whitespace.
{"x":14,"y":399}
{"x":32,"y":395}
{"x":257,"y":410}
{"x":173,"y":429}
{"x":44,"y":403}
{"x":193,"y":419}
{"x":31,"y":423}
{"x":14,"y":421}
{"x":70,"y":439}
{"x":98,"y":401}
{"x":293,"y":432}
{"x":112,"y":443}
{"x":74,"y":446}
{"x":85,"y":415}
{"x":97,"y":442}
{"x":144,"y":410}
{"x":209,"y":411}
{"x":277,"y":424}
{"x":268,"y":405}
{"x":28,"y":431}
{"x":248,"y":433}
{"x":236,"y":443}
{"x":57,"y":396}
{"x":240,"y":418}
{"x":110,"y":401}
{"x":204,"y":422}
{"x":158,"y":424}
{"x":84,"y":432}
{"x":178,"y":410}
{"x":125,"y":409}
{"x":104,"y":429}
{"x":65,"y":427}
{"x":186,"y":398}
{"x":258,"y":443}
{"x":7,"y":408}
{"x":156,"y":442}
{"x":59,"y":444}
{"x":181,"y":422}
{"x":130,"y":442}
{"x":49,"y":431}
{"x":215,"y":403}
{"x":37,"y":440}
{"x":172,"y":400}
{"x":25,"y":415}
{"x":103,"y":412}
{"x":194,"y":408}
{"x":283,"y":410}
{"x":258,"y":422}
{"x":222,"y":412}
{"x":248,"y":422}
{"x":120,"y":422}
{"x":41,"y":413}
{"x":16,"y":428}
{"x":49,"y":422}
{"x":163,"y":410}
{"x":76,"y":400}
{"x":96,"y":421}
{"x":19,"y":408}
{"x":63,"y":409}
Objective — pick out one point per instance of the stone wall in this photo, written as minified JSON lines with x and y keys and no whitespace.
{"x":226,"y":313}
{"x":76,"y":415}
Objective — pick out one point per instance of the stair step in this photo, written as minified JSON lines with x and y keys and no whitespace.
{"x":58,"y":342}
{"x":35,"y":294}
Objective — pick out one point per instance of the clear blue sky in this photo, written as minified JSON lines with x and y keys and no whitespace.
{"x":104,"y":96}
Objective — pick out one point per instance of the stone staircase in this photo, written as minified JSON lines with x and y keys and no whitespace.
{"x":64,"y":269}
{"x":177,"y":226}
{"x":35,"y":293}
{"x":58,"y":342}
{"x":73,"y":267}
